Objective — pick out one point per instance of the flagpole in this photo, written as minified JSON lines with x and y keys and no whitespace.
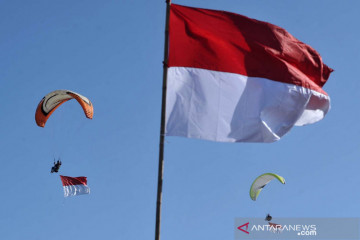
{"x":162,"y":126}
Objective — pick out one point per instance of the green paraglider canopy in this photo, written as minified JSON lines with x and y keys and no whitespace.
{"x":261,"y":181}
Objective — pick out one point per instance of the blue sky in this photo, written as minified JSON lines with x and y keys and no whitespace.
{"x":111,"y":52}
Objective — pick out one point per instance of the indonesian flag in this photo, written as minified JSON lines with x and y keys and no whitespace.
{"x":74,"y":186}
{"x":236,"y":79}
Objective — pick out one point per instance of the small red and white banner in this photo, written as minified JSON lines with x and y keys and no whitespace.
{"x":74,"y":186}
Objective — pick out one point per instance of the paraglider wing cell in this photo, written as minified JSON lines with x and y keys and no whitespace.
{"x":54,"y":99}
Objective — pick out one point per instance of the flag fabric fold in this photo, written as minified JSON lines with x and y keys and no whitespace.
{"x":236,"y":79}
{"x":74,"y":186}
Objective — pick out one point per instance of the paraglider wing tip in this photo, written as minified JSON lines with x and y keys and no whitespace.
{"x":39,"y":123}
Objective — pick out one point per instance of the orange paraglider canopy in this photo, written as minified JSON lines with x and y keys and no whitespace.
{"x":53,"y":100}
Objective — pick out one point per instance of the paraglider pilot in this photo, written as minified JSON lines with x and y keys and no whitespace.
{"x":268,"y":218}
{"x":56,"y":166}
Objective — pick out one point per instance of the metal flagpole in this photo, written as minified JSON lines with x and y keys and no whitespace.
{"x":162,"y":126}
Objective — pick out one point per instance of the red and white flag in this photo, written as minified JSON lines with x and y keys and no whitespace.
{"x":74,"y":185}
{"x":236,"y":79}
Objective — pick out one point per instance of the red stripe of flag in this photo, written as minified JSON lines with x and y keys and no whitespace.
{"x":67,"y":181}
{"x":229,"y":42}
